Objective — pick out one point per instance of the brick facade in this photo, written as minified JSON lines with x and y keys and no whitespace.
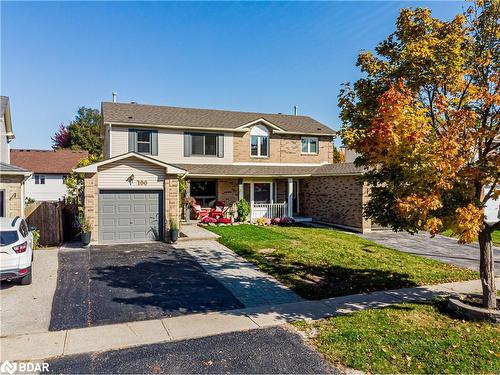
{"x":336,"y":200}
{"x":91,"y":203}
{"x":282,"y":149}
{"x":171,"y":196}
{"x":12,"y":187}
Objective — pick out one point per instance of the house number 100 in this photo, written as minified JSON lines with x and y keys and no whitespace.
{"x":142,"y":182}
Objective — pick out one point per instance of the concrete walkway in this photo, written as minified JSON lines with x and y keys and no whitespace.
{"x":249,"y":285}
{"x":193,"y":232}
{"x":38,"y":346}
{"x":441,"y":248}
{"x":27,"y":308}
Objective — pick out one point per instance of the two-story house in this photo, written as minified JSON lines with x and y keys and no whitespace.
{"x":281,"y":164}
{"x":50,"y":169}
{"x":12,"y":177}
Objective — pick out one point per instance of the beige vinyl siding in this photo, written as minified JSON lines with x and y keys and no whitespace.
{"x":115,"y":175}
{"x":171,"y":147}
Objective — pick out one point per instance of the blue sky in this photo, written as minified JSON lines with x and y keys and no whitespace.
{"x":262,"y":57}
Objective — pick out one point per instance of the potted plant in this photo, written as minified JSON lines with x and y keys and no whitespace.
{"x":86,"y":232}
{"x":188,"y":202}
{"x":174,"y":230}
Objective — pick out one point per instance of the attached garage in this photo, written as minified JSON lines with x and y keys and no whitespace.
{"x":130,"y":198}
{"x":130,"y":216}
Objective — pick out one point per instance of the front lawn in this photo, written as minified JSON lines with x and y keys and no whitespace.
{"x":408,"y":338}
{"x":321,"y":263}
{"x":495,"y":236}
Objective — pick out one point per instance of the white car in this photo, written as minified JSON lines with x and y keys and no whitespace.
{"x":16,"y":250}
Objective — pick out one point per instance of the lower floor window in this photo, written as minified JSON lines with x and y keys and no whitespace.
{"x":204,"y":191}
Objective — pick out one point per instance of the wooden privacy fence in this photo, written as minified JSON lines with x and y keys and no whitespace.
{"x":56,"y":221}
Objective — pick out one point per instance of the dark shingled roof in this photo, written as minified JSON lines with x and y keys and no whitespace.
{"x":4,"y":167}
{"x":205,"y":118}
{"x":337,"y":169}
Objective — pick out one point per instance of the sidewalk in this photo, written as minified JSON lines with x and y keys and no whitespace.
{"x":38,"y":346}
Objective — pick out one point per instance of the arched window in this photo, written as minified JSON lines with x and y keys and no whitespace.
{"x":259,"y":141}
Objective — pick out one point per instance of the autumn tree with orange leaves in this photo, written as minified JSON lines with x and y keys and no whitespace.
{"x":425,"y":121}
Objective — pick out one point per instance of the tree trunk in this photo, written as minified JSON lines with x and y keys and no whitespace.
{"x":487,"y":268}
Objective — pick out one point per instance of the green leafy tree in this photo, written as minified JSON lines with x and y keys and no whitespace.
{"x":338,"y":157}
{"x":83,"y":133}
{"x":425,"y":121}
{"x":75,"y":181}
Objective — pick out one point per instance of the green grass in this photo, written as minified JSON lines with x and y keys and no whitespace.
{"x":321,"y":263}
{"x":408,"y":338}
{"x":495,"y":236}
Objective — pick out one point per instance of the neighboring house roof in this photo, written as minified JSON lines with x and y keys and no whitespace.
{"x":47,"y":161}
{"x":9,"y":169}
{"x":170,"y":169}
{"x":231,"y":170}
{"x":5,"y":114}
{"x":210,"y":119}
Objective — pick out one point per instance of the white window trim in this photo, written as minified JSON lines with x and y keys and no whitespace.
{"x":308,"y":152}
{"x":149,"y":142}
{"x":259,"y":147}
{"x":260,"y":131}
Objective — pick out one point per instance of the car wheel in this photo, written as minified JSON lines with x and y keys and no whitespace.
{"x":26,"y":280}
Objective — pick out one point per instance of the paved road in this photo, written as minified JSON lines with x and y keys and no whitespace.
{"x":441,"y":248}
{"x":272,"y":350}
{"x":112,"y":284}
{"x":26,"y":308}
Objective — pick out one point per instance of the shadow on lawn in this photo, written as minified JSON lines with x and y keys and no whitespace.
{"x":325,"y":281}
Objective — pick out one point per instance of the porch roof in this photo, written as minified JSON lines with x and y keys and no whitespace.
{"x":239,"y":170}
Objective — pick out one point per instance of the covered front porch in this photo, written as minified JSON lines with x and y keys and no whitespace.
{"x":268,"y":197}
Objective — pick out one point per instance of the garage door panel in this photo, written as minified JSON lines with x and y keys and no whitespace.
{"x":129,"y":216}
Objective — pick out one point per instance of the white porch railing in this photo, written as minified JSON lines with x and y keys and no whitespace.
{"x":267,"y":210}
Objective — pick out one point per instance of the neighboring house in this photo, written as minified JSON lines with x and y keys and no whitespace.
{"x":50,"y":168}
{"x":12,"y":177}
{"x":281,"y":164}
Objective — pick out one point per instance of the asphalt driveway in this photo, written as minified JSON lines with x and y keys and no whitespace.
{"x":441,"y":248}
{"x":263,"y":351}
{"x":121,"y":283}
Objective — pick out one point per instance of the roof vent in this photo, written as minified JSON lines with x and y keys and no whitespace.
{"x":133,"y":102}
{"x":295,"y":110}
{"x":114,"y":96}
{"x":131,"y":117}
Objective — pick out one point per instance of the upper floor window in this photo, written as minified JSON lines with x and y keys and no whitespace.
{"x":309,"y":145}
{"x":259,"y":141}
{"x":143,"y":141}
{"x":39,"y":179}
{"x":204,"y":144}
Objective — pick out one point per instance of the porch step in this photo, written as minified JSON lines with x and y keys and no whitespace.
{"x":303,"y":219}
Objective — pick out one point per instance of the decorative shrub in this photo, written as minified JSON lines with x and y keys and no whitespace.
{"x":243,"y":209}
{"x":36,"y":238}
{"x":287,"y":220}
{"x":208,"y":220}
{"x":276,"y":221}
{"x":224,"y":220}
{"x":263,"y":221}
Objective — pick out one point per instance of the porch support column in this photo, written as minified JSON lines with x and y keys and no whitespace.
{"x":240,"y":189}
{"x":290,"y":197}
